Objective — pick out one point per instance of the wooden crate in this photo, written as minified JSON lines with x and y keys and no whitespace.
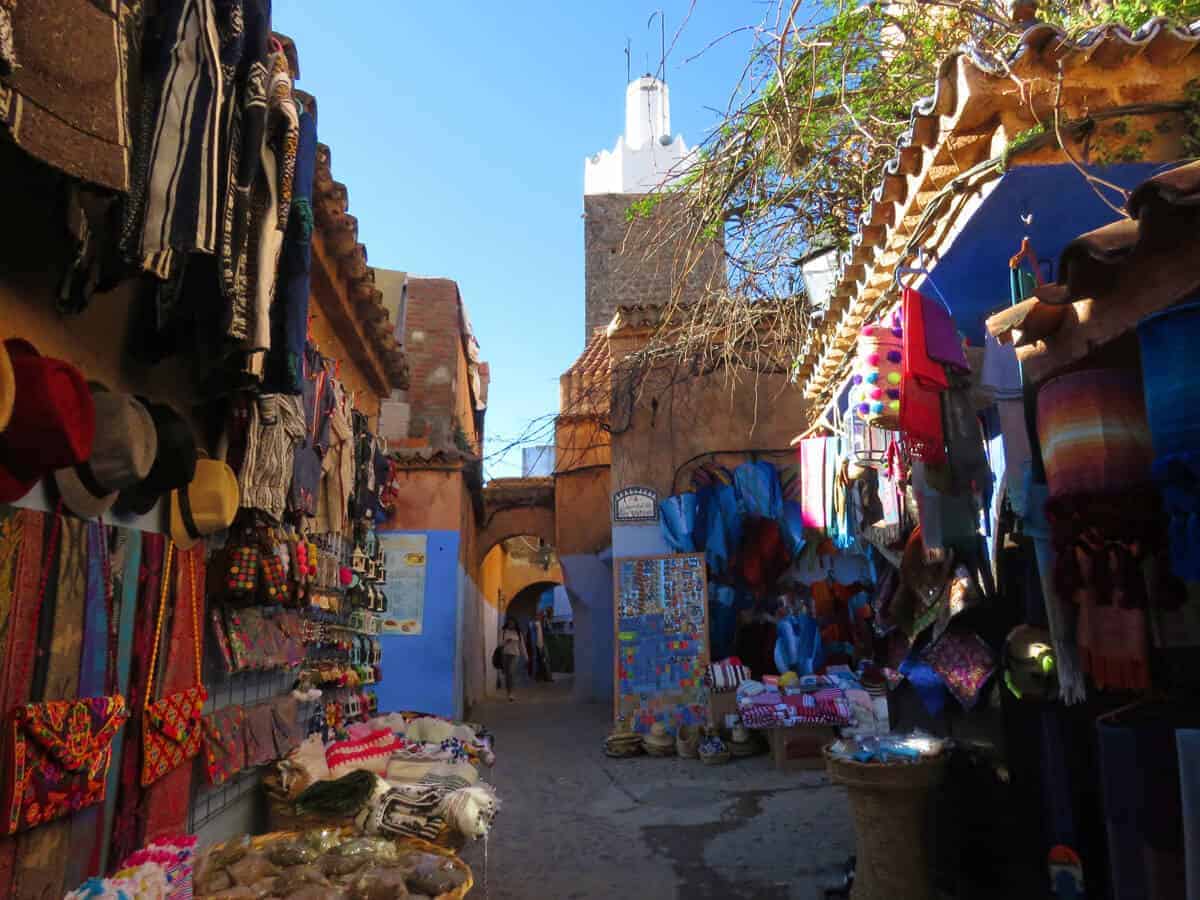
{"x":799,"y":747}
{"x":720,"y":705}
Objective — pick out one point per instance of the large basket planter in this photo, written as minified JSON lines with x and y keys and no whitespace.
{"x":890,"y":802}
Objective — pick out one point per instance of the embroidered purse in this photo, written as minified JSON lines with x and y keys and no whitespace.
{"x":57,"y":759}
{"x":285,"y":724}
{"x":274,"y":577}
{"x":241,"y":573}
{"x":224,"y":744}
{"x":260,"y":735}
{"x":222,"y":640}
{"x":171,"y":725}
{"x":57,"y":754}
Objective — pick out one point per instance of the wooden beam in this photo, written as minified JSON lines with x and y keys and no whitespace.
{"x":1155,"y":280}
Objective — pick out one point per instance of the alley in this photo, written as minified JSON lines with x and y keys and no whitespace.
{"x":576,"y":825}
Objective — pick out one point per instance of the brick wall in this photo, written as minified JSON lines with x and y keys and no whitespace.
{"x":617,"y":269}
{"x":433,"y":342}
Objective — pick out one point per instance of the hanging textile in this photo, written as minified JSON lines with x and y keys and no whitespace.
{"x":1142,"y":803}
{"x":126,"y":564}
{"x":129,"y":818}
{"x":56,"y":677}
{"x":94,"y":681}
{"x":64,"y":98}
{"x":758,"y":489}
{"x":815,"y":477}
{"x":167,"y":799}
{"x":678,"y":522}
{"x":1168,"y":341}
{"x":1187,"y":741}
{"x":21,"y":543}
{"x":174,"y":206}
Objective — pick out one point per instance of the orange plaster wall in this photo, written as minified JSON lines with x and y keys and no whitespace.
{"x":427,"y":500}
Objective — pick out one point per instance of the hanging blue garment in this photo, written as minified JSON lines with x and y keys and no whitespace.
{"x":758,"y":490}
{"x":791,"y":526}
{"x":722,"y":620}
{"x":678,"y":522}
{"x":798,"y":645}
{"x":705,"y":497}
{"x":723,"y":526}
{"x":927,"y":683}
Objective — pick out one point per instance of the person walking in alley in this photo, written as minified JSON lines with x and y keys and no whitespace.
{"x":514,"y":649}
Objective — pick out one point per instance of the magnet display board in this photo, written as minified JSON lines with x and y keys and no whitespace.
{"x":661,"y":617}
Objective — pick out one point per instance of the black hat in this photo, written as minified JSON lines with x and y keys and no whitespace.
{"x":174,"y":465}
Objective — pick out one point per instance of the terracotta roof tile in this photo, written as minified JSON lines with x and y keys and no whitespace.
{"x":595,"y":358}
{"x":968,"y":94}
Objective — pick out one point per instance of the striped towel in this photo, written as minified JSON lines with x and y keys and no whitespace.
{"x":725,"y":676}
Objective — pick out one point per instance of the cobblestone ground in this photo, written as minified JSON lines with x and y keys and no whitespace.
{"x":576,"y":825}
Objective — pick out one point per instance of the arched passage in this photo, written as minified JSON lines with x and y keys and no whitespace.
{"x":516,"y":506}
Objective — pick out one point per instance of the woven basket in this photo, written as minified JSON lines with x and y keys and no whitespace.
{"x":687,"y":742}
{"x":659,"y":749}
{"x":889,"y":803}
{"x":714,"y":759}
{"x":460,"y":893}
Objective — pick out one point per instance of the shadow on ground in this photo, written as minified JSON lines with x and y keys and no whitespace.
{"x":576,"y":825}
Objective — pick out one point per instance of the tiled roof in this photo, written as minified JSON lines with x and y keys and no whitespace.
{"x":1105,"y":286}
{"x":420,"y":457}
{"x":978,"y":105}
{"x":595,"y":358}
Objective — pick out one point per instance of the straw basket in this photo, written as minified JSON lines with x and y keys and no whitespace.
{"x":687,"y":742}
{"x":459,"y":893}
{"x":889,"y":803}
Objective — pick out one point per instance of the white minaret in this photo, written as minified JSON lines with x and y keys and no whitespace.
{"x":647,"y":154}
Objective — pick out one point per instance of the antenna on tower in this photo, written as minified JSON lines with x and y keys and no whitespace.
{"x":628,"y":64}
{"x":662,"y":32}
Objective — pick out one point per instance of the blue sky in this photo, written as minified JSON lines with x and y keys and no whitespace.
{"x":461,"y":129}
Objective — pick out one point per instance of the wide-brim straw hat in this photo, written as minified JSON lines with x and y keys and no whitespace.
{"x":8,"y":387}
{"x":208,"y":505}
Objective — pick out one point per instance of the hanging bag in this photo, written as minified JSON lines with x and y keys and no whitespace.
{"x":224,"y":744}
{"x":172,"y":729}
{"x":57,"y":754}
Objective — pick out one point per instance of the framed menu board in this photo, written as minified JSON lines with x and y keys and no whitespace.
{"x":661,"y":618}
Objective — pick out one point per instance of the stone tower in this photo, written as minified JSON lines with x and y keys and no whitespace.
{"x":617,"y":267}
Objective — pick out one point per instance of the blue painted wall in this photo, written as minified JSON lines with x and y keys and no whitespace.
{"x":421,"y":672}
{"x":973,"y":274}
{"x":639,"y":540}
{"x":589,"y":581}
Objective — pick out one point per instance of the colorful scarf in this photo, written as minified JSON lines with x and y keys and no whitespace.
{"x":815,"y":479}
{"x":921,"y":384}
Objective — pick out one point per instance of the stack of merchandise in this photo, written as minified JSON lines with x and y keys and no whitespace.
{"x":813,"y":700}
{"x":397,"y":775}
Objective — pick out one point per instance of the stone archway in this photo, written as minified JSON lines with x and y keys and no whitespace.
{"x":516,"y":506}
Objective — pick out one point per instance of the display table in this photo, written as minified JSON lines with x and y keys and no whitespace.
{"x":890,"y":801}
